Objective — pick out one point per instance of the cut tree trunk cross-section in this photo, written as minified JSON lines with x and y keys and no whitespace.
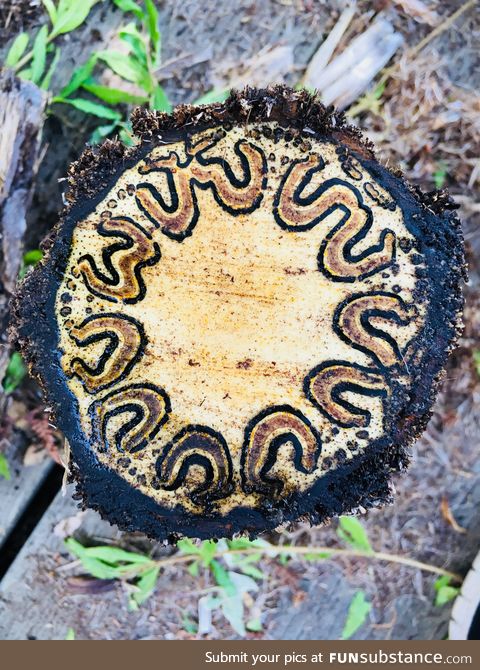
{"x":242,"y":320}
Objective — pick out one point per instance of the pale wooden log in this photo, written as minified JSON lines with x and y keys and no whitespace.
{"x":21,"y":119}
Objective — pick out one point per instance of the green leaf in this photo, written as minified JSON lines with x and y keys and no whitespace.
{"x":14,"y":373}
{"x":133,"y":606}
{"x":222,"y":578}
{"x":94,"y":565}
{"x":74,"y":547}
{"x":126,"y":137}
{"x":137,"y":46}
{"x":101,"y":132}
{"x":115,"y":555}
{"x":379,"y":90}
{"x":17,"y":50}
{"x":113,"y":96}
{"x":186,"y":546}
{"x":51,"y":9}
{"x":440,"y":582}
{"x":146,"y":585}
{"x":4,"y":469}
{"x":251,"y":571}
{"x":254,"y":625}
{"x":194,"y":568}
{"x":128,"y":68}
{"x":129,"y":6}
{"x":26,"y":73}
{"x":45,"y":84}
{"x":352,"y":532}
{"x":207,"y":551}
{"x":241,"y":543}
{"x":70,"y":634}
{"x":33,"y":256}
{"x":445,"y":592}
{"x":39,"y":54}
{"x":90,"y":107}
{"x":102,"y":570}
{"x":79,"y":76}
{"x":445,"y":595}
{"x":153,"y":31}
{"x":70,"y":15}
{"x":357,"y":615}
{"x":99,"y":569}
{"x":132,"y":37}
{"x":214,"y":95}
{"x":243,"y":583}
{"x":159,"y":100}
{"x":245,"y":564}
{"x":232,"y":610}
{"x":440,"y":176}
{"x":188,"y":625}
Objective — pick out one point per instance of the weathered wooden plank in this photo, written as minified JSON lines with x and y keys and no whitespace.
{"x":26,"y":589}
{"x":17,"y":492}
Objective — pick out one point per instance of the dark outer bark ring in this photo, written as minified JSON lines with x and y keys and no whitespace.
{"x":363,"y":481}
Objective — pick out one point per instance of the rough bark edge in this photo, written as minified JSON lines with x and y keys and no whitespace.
{"x":300,"y":110}
{"x":364,"y":481}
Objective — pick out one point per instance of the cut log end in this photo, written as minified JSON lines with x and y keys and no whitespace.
{"x":243,"y":320}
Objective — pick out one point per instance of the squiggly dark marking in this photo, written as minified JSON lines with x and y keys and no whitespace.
{"x":324,"y":387}
{"x":336,"y":259}
{"x":126,"y":342}
{"x":352,"y":322}
{"x":264,"y":436}
{"x":202,"y":446}
{"x":349,"y":163}
{"x":380,"y":196}
{"x":122,"y":279}
{"x":178,"y":218}
{"x":150,"y":406}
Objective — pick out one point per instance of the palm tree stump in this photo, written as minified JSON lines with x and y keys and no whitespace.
{"x":243,"y":319}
